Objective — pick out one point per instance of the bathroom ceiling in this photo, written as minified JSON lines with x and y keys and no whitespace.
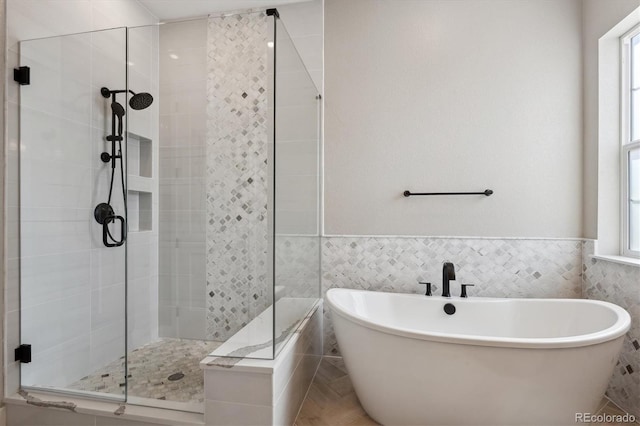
{"x":172,"y":9}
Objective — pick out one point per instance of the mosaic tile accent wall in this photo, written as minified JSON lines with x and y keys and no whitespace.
{"x":497,"y":267}
{"x":236,"y":163}
{"x":619,"y":284}
{"x":297,"y":261}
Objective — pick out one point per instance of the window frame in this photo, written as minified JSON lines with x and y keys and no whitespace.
{"x":627,"y":144}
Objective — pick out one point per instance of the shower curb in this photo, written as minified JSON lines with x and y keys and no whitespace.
{"x":134,"y":413}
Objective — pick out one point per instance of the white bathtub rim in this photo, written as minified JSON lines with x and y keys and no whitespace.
{"x":617,"y":330}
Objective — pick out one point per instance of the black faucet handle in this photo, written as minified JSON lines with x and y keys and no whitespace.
{"x":428,"y":289}
{"x":463,"y":293}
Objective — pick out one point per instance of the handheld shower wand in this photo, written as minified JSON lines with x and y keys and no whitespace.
{"x":118,"y":111}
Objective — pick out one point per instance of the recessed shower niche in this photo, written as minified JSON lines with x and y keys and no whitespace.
{"x":141,"y":186}
{"x":139,"y":211}
{"x":140,"y":155}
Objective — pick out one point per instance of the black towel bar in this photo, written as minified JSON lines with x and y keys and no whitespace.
{"x":486,"y":192}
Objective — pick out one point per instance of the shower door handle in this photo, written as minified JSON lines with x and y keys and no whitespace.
{"x":106,"y":235}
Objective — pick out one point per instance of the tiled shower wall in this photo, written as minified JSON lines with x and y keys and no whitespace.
{"x":74,"y":285}
{"x":142,"y":241}
{"x":238,"y":288}
{"x":56,"y":271}
{"x":619,"y":284}
{"x":183,"y":124}
{"x":205,"y":151}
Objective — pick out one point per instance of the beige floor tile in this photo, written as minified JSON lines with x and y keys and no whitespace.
{"x":331,"y":400}
{"x":612,"y":409}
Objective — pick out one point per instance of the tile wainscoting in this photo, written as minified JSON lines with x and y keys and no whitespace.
{"x":543,"y":268}
{"x":619,"y":284}
{"x":497,"y":267}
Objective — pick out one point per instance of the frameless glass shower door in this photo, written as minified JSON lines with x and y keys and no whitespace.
{"x":169,"y":204}
{"x":297,"y":188}
{"x":72,"y":287}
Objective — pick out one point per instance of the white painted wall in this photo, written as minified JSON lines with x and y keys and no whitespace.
{"x":186,"y":9}
{"x":299,"y":79}
{"x":304,"y":22}
{"x":433,"y":95}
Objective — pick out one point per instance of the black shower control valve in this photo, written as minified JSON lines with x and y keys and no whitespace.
{"x":463,"y":291}
{"x":102,"y":212}
{"x":427,"y":291}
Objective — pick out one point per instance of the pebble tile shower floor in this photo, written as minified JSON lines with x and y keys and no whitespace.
{"x":167,"y":369}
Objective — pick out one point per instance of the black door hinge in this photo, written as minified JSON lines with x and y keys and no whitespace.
{"x":22,"y":75}
{"x":23,"y":354}
{"x":273,"y":12}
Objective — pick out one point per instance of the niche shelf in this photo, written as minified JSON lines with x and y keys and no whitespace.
{"x":139,"y":211}
{"x":139,"y":183}
{"x":139,"y":156}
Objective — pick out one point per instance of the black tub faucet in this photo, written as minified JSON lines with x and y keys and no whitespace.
{"x":448,"y":273}
{"x":427,"y":291}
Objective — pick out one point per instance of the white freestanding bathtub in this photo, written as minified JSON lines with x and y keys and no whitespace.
{"x":494,"y":361}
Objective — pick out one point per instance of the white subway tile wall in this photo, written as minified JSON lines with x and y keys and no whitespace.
{"x":61,"y":308}
{"x":183,"y":101}
{"x":73,"y":288}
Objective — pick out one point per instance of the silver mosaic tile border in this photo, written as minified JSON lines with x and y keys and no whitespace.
{"x":497,"y":267}
{"x":236,"y":187}
{"x":619,"y":284}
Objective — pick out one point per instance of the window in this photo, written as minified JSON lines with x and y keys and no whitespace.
{"x":630,"y":148}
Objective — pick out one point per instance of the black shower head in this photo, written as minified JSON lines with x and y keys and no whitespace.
{"x":117,"y":109}
{"x":140,"y":100}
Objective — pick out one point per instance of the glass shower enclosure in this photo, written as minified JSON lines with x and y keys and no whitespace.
{"x":169,"y":204}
